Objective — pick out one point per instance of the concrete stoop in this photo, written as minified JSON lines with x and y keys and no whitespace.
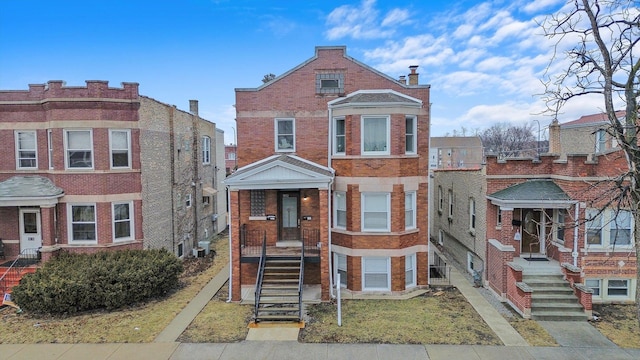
{"x":553,"y":299}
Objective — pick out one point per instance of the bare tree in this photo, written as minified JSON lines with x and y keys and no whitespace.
{"x":596,"y":43}
{"x":268,"y":77}
{"x":508,"y":140}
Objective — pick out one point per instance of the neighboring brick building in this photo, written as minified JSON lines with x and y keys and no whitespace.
{"x":90,"y":168}
{"x":545,"y":217}
{"x":230,"y":160}
{"x":454,"y":152}
{"x":333,"y":156}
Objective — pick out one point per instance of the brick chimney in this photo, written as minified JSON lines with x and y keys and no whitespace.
{"x":193,"y":107}
{"x":554,"y":137}
{"x":413,"y":76}
{"x":403,"y":80}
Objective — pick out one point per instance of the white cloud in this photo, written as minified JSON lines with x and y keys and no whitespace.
{"x":395,"y":16}
{"x":493,"y":63}
{"x":363,"y":22}
{"x":538,"y":5}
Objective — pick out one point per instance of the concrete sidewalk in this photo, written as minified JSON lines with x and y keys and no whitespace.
{"x":256,"y":350}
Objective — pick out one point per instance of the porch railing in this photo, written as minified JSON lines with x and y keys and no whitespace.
{"x":251,"y":241}
{"x":311,"y":242}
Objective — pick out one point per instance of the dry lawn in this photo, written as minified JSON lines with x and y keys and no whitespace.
{"x":532,"y":332}
{"x":427,"y":319}
{"x":619,"y":323}
{"x":140,"y":323}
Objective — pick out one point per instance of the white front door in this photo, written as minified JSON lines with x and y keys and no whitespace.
{"x":30,"y":230}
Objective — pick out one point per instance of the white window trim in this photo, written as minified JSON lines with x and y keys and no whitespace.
{"x":599,"y":296}
{"x":206,"y":150}
{"x":388,"y":135}
{"x":66,"y":149}
{"x":50,"y":148}
{"x":336,"y":194}
{"x":337,"y":262}
{"x":388,"y":210}
{"x":415,"y":135}
{"x":188,"y":201}
{"x":413,"y":269}
{"x":132,"y":228}
{"x":473,"y":219}
{"x":451,"y":203}
{"x":111,"y":149}
{"x":605,"y":232}
{"x":388,"y":273}
{"x":604,"y":296}
{"x":335,"y":136}
{"x":440,"y":199}
{"x":70,"y":239}
{"x":275,"y":131}
{"x":499,"y":218}
{"x":413,"y":196}
{"x":17,"y":152}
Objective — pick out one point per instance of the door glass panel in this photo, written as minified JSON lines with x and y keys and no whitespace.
{"x":289,"y":212}
{"x":30,"y":223}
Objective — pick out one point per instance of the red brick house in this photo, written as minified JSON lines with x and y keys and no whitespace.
{"x":552,"y":244}
{"x":94,"y":167}
{"x":333,"y":158}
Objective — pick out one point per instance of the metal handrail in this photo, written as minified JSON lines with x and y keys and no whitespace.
{"x":300,"y":281}
{"x":263,"y":260}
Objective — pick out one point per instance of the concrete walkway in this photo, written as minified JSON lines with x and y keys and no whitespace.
{"x":193,"y":308}
{"x":257,"y":350}
{"x":507,"y":334}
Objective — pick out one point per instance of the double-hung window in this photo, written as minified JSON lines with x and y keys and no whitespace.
{"x":450,"y":203}
{"x":375,"y":135}
{"x":609,"y":228}
{"x":82,"y":223}
{"x":285,"y":135}
{"x":375,"y":212}
{"x":472,"y":214}
{"x":120,"y":141}
{"x":410,"y":134}
{"x":50,"y":148}
{"x":340,"y":205}
{"x":78,"y":149}
{"x":601,"y":141}
{"x":410,"y":210}
{"x":375,"y":273}
{"x":206,"y":150}
{"x":26,"y":150}
{"x":339,"y":146}
{"x":617,"y":287}
{"x":595,"y":285}
{"x":341,"y":267}
{"x":410,"y":271}
{"x":440,"y":199}
{"x":122,"y":221}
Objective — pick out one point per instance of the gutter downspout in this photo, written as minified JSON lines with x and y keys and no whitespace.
{"x":330,"y":150}
{"x":574,"y":254}
{"x":230,"y":251}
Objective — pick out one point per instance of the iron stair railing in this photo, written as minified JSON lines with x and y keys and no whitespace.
{"x":300,"y":281}
{"x":263,"y":260}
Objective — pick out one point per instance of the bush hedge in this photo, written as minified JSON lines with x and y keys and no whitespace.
{"x":71,"y":283}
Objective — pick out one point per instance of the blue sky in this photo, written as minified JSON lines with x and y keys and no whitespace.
{"x":483,"y":59}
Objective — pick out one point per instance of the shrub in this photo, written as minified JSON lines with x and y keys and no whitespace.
{"x":109,"y":280}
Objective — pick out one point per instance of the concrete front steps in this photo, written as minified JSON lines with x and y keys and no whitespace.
{"x":553,"y":299}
